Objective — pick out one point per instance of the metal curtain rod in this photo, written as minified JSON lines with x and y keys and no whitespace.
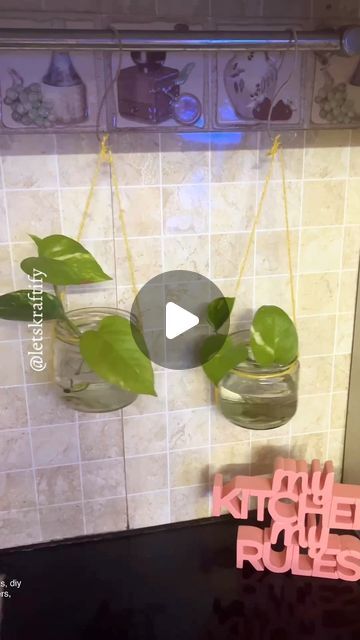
{"x":345,"y":40}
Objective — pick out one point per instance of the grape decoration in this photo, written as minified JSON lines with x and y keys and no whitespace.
{"x":27,"y":104}
{"x":335,"y":107}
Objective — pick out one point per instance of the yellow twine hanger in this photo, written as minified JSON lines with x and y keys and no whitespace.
{"x":105,"y":156}
{"x":276,"y":150}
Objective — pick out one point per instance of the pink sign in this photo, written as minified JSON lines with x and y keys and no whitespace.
{"x":304,"y":505}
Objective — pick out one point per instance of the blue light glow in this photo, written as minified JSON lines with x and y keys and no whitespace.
{"x":217,"y":139}
{"x":227,"y":138}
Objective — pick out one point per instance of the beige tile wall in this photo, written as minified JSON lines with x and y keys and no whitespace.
{"x":63,"y":474}
{"x":189,"y":201}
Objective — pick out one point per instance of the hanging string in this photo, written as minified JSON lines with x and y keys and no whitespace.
{"x":111,"y":84}
{"x":288,"y":236}
{"x":283,"y":177}
{"x":276,"y":150}
{"x":284,"y":83}
{"x":100,"y":160}
{"x":272,"y":154}
{"x":121,"y":212}
{"x":106,"y":156}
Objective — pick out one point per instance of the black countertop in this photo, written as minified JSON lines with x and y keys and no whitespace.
{"x":174,"y":582}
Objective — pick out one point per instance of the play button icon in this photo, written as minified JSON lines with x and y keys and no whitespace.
{"x":178,"y":320}
{"x":171,"y":310}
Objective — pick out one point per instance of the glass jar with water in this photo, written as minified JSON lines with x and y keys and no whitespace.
{"x":258,"y":397}
{"x":81,"y":388}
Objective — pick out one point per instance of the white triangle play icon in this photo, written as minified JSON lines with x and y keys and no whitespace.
{"x":178,"y":320}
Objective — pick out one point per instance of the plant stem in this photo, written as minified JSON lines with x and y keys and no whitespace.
{"x":66,"y":319}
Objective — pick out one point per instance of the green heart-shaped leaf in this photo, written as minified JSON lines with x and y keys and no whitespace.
{"x":18,"y":306}
{"x":58,"y":246}
{"x":84,"y":270}
{"x":218,"y":311}
{"x":273,"y":337}
{"x":64,"y":261}
{"x":113,"y":354}
{"x":219,"y":357}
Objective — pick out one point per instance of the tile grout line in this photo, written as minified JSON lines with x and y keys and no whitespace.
{"x":210,"y":274}
{"x":103,"y":498}
{"x":22,"y":365}
{"x":303,"y":316}
{"x":339,"y":294}
{"x":125,"y":471}
{"x":147,"y":415}
{"x":253,"y":277}
{"x":313,"y":315}
{"x":165,"y":376}
{"x":76,"y":413}
{"x":298,"y":258}
{"x":229,"y":232}
{"x":113,"y":220}
{"x":172,"y":185}
{"x":163,"y":452}
{"x":80,"y":470}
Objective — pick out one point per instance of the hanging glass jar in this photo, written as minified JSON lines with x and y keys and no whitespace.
{"x":81,"y":388}
{"x":258,"y":397}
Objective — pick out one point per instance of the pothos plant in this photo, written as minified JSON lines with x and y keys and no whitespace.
{"x":110,"y":350}
{"x":273,"y":340}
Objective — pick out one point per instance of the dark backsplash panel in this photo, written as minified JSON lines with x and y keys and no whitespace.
{"x":177,"y":581}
